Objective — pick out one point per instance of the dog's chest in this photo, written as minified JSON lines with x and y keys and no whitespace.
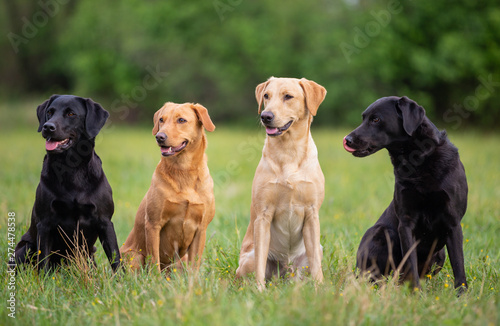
{"x":286,"y":228}
{"x":182,"y":220}
{"x":182,"y":215}
{"x":183,"y":210}
{"x":287,"y":241}
{"x":71,"y":213}
{"x":291,"y":198}
{"x":427,"y":211}
{"x":292,"y":190}
{"x":287,"y":191}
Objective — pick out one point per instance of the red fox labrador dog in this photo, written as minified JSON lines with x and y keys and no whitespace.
{"x":173,"y":217}
{"x":288,"y":188}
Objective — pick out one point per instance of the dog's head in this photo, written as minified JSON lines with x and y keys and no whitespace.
{"x":67,"y":119}
{"x":287,"y":100}
{"x":176,"y":126}
{"x":387,"y":121}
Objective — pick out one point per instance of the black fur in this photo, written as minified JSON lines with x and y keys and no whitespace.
{"x":74,"y":203}
{"x":430,"y":193}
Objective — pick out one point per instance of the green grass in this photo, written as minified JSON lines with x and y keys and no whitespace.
{"x":357,"y":192}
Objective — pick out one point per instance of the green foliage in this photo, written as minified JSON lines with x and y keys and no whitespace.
{"x":357,"y":192}
{"x":216,"y":52}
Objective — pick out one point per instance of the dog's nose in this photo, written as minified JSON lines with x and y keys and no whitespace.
{"x":267,"y":117}
{"x":49,"y":126}
{"x":348,"y":140}
{"x":161,"y":137}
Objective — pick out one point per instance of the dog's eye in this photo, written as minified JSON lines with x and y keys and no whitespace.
{"x":181,"y":120}
{"x":49,"y":113}
{"x":288,"y":97}
{"x":161,"y":120}
{"x":266,"y":97}
{"x":375,"y":119}
{"x":71,"y":114}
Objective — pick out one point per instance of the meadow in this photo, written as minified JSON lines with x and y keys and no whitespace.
{"x":357,"y":192}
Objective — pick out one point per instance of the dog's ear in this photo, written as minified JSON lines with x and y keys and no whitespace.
{"x":203,"y":116}
{"x":95,"y":119}
{"x":412,"y":113}
{"x":259,"y":92}
{"x":40,"y":111}
{"x":314,"y":94}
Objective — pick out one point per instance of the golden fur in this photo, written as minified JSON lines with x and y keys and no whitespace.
{"x":288,"y":187}
{"x":172,"y":219}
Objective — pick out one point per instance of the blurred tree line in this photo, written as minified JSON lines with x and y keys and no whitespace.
{"x":133,"y":55}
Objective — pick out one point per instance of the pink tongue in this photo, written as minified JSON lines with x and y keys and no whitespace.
{"x":271,"y":131}
{"x":347,"y":148}
{"x":50,"y":145}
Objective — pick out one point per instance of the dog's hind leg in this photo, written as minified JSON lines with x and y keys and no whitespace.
{"x":24,"y":252}
{"x":246,"y":264}
{"x":133,"y":259}
{"x":379,"y":252}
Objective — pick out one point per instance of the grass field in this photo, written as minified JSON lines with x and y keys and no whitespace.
{"x":357,"y":192}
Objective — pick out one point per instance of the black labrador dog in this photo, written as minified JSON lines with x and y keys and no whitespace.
{"x":74,"y":203}
{"x":430,"y":194}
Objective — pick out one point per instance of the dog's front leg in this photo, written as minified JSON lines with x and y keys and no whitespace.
{"x":454,"y":245}
{"x":44,"y":246}
{"x":153,"y":241}
{"x":409,"y":250}
{"x":262,"y":238}
{"x":311,"y":234}
{"x":107,"y":236}
{"x":196,"y":249}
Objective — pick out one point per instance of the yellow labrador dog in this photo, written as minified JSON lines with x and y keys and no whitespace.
{"x":288,"y":187}
{"x":172,"y":219}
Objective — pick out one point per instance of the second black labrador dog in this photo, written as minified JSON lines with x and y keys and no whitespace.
{"x":74,"y":203}
{"x":430,"y":194}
